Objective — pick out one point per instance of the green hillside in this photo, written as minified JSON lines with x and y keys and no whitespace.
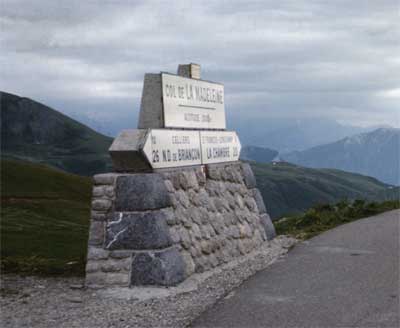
{"x":45,"y":212}
{"x":34,"y":132}
{"x":44,"y":219}
{"x":290,"y":189}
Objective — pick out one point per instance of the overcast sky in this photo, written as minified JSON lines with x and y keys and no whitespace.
{"x":333,"y":59}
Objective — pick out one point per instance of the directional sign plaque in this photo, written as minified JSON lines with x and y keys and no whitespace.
{"x":219,"y":146}
{"x":172,"y":148}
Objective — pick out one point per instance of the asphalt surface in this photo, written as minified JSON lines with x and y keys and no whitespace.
{"x":346,"y":277}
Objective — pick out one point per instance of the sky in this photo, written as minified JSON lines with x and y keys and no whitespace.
{"x":277,"y":59}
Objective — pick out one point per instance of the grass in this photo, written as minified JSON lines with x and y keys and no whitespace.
{"x":289,"y":189}
{"x":44,"y":220}
{"x":324,"y":217}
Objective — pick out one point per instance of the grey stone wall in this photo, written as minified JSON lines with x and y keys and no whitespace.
{"x":159,"y":228}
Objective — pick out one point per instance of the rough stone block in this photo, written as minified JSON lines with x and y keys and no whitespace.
{"x":105,"y":178}
{"x":248,"y":176}
{"x":109,"y":191}
{"x":201,"y":264}
{"x":98,"y":216}
{"x":213,"y":172}
{"x":268,"y":226}
{"x":245,"y":230}
{"x":101,"y":205}
{"x":185,"y":237}
{"x":182,"y":198}
{"x":230,"y":173}
{"x":212,"y":188}
{"x":189,"y":264}
{"x":259,"y":201}
{"x":120,"y":265}
{"x":93,"y":266}
{"x":139,"y":192}
{"x":196,"y":232}
{"x":138,"y":231}
{"x":194,"y":215}
{"x":96,"y":233}
{"x":251,"y":204}
{"x":96,"y":253}
{"x":218,"y":223}
{"x":206,"y":247}
{"x":98,"y":191}
{"x":95,"y":279}
{"x":220,"y":204}
{"x":165,"y":268}
{"x":174,"y":235}
{"x":239,"y":201}
{"x":188,"y":180}
{"x":169,"y":186}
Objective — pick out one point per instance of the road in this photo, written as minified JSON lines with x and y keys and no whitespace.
{"x":345,"y":277}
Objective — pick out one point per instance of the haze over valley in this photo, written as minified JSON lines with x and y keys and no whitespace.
{"x":33,"y":132}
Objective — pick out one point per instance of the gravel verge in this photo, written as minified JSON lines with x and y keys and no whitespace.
{"x":63,"y":302}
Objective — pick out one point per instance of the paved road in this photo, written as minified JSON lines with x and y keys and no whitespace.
{"x":346,"y":277}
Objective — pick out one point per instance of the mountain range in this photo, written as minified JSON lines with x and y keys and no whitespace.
{"x":375,"y":153}
{"x":34,"y":132}
{"x":286,"y":135}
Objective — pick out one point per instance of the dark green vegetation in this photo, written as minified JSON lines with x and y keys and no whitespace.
{"x":290,"y":189}
{"x":34,"y":132}
{"x":375,"y":153}
{"x":44,"y":219}
{"x":258,"y":154}
{"x":325,"y":217}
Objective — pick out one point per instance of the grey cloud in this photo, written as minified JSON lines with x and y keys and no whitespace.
{"x":333,"y":59}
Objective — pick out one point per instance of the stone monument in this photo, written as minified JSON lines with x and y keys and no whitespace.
{"x":179,"y":202}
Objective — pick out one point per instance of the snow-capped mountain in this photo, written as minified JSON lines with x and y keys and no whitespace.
{"x":374,"y":153}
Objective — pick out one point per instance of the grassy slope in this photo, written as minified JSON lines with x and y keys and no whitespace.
{"x":45,"y":216}
{"x":290,"y":189}
{"x":324,"y":217}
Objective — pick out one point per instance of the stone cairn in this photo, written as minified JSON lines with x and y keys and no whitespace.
{"x":157,"y":226}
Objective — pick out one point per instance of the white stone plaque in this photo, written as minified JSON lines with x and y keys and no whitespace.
{"x":219,"y":146}
{"x":172,"y":148}
{"x":191,"y":103}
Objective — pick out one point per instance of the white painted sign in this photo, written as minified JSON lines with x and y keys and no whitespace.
{"x":219,"y":146}
{"x":191,"y":103}
{"x":172,"y":148}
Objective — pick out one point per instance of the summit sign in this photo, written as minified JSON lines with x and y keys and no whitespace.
{"x":191,"y":103}
{"x":181,"y":123}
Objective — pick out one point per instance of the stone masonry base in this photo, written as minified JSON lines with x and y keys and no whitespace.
{"x":159,"y":228}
